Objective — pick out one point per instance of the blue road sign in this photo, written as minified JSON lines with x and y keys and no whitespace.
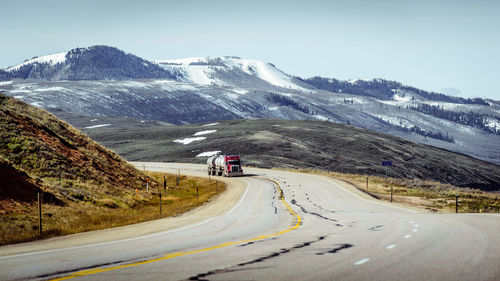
{"x":386,"y":163}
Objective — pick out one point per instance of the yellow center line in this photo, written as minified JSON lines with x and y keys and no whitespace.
{"x":178,"y":254}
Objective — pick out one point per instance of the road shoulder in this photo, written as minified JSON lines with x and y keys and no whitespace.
{"x":215,"y":207}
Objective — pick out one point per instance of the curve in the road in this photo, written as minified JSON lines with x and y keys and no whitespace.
{"x":178,"y":254}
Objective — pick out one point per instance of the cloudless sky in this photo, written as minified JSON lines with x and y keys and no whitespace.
{"x":448,"y":45}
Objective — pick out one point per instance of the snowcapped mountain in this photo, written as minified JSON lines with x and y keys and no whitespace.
{"x":92,"y":63}
{"x":231,"y":71}
{"x":103,"y":80}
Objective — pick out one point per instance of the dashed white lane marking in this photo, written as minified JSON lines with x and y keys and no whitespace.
{"x":415,"y":225}
{"x":415,"y":230}
{"x":391,"y":247}
{"x":360,"y":262}
{"x":407,"y":235}
{"x":411,"y":221}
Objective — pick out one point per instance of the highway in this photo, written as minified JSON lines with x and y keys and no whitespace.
{"x":321,"y":229}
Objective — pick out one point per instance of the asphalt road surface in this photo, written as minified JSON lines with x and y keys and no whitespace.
{"x":320,"y":229}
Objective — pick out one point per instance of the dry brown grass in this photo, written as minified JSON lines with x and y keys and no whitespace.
{"x":429,"y":195}
{"x":80,"y":216}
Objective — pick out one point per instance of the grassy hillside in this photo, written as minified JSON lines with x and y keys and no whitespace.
{"x":64,"y":162}
{"x":303,"y":144}
{"x":84,"y":186}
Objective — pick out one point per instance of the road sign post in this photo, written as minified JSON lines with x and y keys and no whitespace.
{"x":386,"y":164}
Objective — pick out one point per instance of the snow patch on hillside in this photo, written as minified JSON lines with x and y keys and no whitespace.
{"x":321,"y":117}
{"x":208,"y":153}
{"x":189,"y":140}
{"x":97,"y":126}
{"x":211,"y":124}
{"x":206,"y":132}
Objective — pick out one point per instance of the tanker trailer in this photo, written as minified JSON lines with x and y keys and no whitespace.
{"x":225,"y":165}
{"x":212,"y":169}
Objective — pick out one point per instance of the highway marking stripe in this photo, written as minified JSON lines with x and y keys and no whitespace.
{"x":415,"y":230}
{"x":178,"y":254}
{"x":392,"y":246}
{"x":408,"y":236}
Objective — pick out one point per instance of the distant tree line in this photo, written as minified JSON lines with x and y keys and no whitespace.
{"x":209,"y":62}
{"x":434,"y":135}
{"x":285,"y":101}
{"x":470,"y":118}
{"x":381,"y":89}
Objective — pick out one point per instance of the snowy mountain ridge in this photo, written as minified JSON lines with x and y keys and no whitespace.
{"x":204,"y":70}
{"x":197,"y":70}
{"x":102,"y":80}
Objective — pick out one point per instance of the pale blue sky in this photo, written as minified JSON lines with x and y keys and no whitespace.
{"x":429,"y":44}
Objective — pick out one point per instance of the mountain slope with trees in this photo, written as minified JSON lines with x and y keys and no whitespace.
{"x":92,"y":63}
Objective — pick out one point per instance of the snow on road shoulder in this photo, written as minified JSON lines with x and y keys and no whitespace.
{"x":208,"y":153}
{"x":206,"y":132}
{"x":189,"y":140}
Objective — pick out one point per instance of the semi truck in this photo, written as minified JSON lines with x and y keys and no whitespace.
{"x":224,"y":165}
